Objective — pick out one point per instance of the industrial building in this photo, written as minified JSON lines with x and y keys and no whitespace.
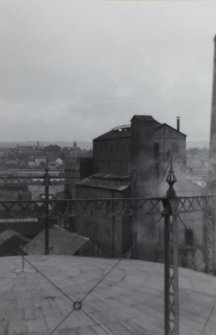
{"x":135,"y":157}
{"x":141,"y":149}
{"x":130,"y":161}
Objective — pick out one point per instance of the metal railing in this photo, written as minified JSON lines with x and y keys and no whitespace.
{"x":170,"y":216}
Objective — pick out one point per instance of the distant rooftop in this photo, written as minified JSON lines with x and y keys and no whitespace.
{"x":61,"y":242}
{"x":106,"y":181}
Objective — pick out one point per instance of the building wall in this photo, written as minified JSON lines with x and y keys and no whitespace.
{"x":143,"y":153}
{"x":72,"y":175}
{"x":86,"y":167}
{"x":190,"y":241}
{"x":112,"y":156}
{"x":151,"y":145}
{"x":169,"y":141}
{"x":102,"y":229}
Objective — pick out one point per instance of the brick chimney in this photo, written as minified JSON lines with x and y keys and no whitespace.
{"x":142,"y":155}
{"x":212,"y":144}
{"x":143,"y":182}
{"x":178,"y":123}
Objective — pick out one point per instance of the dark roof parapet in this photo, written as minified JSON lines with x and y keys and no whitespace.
{"x":144,"y":118}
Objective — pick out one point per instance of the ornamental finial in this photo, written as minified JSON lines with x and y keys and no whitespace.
{"x":171,"y":180}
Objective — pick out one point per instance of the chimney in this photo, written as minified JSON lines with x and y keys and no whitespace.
{"x":212,"y":145}
{"x":178,"y":123}
{"x":142,"y":156}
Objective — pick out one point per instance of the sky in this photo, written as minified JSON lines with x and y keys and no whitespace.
{"x":72,"y":70}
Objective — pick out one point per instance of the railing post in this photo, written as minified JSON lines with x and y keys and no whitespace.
{"x":166,"y":270}
{"x":213,"y":244}
{"x":113,"y":236}
{"x":46,"y":183}
{"x":171,"y":292}
{"x":134,"y":246}
{"x":113,"y":246}
{"x":210,"y":261}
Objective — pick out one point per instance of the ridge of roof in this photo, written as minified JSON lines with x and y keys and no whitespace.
{"x":117,"y":132}
{"x":167,"y":125}
{"x":144,"y":118}
{"x":124,"y":131}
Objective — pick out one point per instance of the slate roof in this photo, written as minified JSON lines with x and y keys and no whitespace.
{"x":11,"y":243}
{"x":117,"y":132}
{"x":7,"y":234}
{"x":167,"y":125}
{"x":106,"y":181}
{"x":61,"y":241}
{"x":124,"y":131}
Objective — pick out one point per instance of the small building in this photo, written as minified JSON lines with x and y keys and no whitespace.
{"x":11,"y":243}
{"x":40,"y":161}
{"x":28,"y":227}
{"x":61,"y":242}
{"x":111,"y":234}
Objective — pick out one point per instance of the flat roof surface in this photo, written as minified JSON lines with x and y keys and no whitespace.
{"x":39,"y":298}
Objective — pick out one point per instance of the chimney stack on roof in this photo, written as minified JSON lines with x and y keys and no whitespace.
{"x":178,"y":123}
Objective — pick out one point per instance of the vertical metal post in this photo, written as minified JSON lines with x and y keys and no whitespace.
{"x":22,"y":263}
{"x":213,"y":245}
{"x":171,"y":298}
{"x":174,"y":286}
{"x":113,"y":236}
{"x":166,"y":272}
{"x":134,"y":246}
{"x":46,"y":182}
{"x":210,"y":260}
{"x":113,"y":226}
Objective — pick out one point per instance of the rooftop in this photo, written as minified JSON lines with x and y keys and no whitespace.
{"x":124,"y":131}
{"x":106,"y":181}
{"x":118,"y":297}
{"x":61,"y":242}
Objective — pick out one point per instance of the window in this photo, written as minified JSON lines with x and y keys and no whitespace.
{"x":175,"y":147}
{"x":156,"y":159}
{"x":156,"y":149}
{"x":96,"y":147}
{"x":189,"y":236}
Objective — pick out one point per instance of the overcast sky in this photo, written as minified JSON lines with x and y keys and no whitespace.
{"x":75,"y":69}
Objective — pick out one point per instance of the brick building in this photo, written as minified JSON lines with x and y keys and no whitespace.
{"x":140,"y":150}
{"x":129,"y":161}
